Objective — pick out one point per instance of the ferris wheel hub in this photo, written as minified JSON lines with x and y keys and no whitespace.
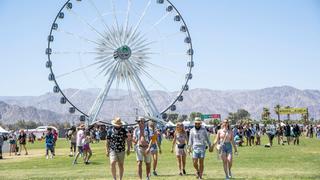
{"x":122,"y":53}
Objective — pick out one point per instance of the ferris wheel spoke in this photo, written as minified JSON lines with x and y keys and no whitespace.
{"x":126,"y":23}
{"x":148,"y":105}
{"x":114,"y":13}
{"x":79,"y":69}
{"x":150,"y":77}
{"x":73,"y":52}
{"x":108,"y":31}
{"x":106,"y":69}
{"x":140,"y":20}
{"x":157,"y":23}
{"x":83,"y":21}
{"x":115,"y":16}
{"x":78,"y":36}
{"x":142,"y":43}
{"x":158,"y":66}
{"x":116,"y":36}
{"x":94,"y":111}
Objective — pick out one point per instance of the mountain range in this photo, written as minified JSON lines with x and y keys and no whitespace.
{"x":47,"y":108}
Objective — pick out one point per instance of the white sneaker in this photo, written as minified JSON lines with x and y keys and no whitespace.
{"x":47,"y":157}
{"x":51,"y":156}
{"x":230,"y":174}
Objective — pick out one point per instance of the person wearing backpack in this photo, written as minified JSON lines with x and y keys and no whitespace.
{"x":141,"y":139}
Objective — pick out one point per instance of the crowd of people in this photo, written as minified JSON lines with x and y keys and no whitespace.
{"x":145,"y":140}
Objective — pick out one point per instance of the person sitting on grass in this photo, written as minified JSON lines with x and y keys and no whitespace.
{"x":49,"y":143}
{"x":86,"y":147}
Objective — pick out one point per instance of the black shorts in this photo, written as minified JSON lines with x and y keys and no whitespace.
{"x":271,"y":136}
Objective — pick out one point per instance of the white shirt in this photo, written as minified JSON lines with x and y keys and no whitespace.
{"x":80,"y":138}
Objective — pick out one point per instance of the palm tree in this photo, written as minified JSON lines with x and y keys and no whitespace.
{"x":277,"y":110}
{"x":288,"y":115}
{"x":265,"y":114}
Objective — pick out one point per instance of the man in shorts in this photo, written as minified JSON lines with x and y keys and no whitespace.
{"x":80,"y":142}
{"x":198,"y":142}
{"x":116,"y":146}
{"x":141,"y":139}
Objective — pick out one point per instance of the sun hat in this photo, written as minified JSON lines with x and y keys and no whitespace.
{"x":117,"y":122}
{"x":197,"y":120}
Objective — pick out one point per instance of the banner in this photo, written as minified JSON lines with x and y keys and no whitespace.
{"x":211,"y":116}
{"x":293,"y":110}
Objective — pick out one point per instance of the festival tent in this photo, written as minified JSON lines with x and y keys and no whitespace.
{"x":3,"y":130}
{"x":186,"y":123}
{"x":170,"y":124}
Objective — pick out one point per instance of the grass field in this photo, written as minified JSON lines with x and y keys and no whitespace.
{"x":257,"y":162}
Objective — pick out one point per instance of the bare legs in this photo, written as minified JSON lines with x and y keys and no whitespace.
{"x":114,"y":169}
{"x":227,"y":164}
{"x":198,"y":166}
{"x":148,"y":167}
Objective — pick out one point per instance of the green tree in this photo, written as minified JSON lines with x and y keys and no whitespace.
{"x":173,"y":117}
{"x":194,"y":115}
{"x":239,"y":116}
{"x":277,"y":111}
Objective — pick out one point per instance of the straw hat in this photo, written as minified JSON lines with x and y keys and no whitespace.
{"x":116,"y":122}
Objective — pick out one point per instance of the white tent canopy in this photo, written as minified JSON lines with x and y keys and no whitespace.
{"x":3,"y":130}
{"x":186,"y":123}
{"x":170,"y":124}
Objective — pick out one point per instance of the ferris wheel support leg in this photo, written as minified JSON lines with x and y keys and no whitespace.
{"x":150,"y":108}
{"x":101,"y":97}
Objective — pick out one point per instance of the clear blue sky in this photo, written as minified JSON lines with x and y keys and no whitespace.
{"x":242,"y":44}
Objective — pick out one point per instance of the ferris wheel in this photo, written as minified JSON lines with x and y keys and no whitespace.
{"x":122,"y":51}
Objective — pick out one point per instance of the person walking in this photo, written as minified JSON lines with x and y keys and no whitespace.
{"x":154,"y":146}
{"x":86,"y":147}
{"x":49,"y":143}
{"x":179,"y":144}
{"x":288,"y":133}
{"x":296,"y":134}
{"x":80,"y":142}
{"x":141,"y":139}
{"x":116,"y":147}
{"x":198,"y":142}
{"x":2,"y":139}
{"x":270,"y":131}
{"x":73,"y":141}
{"x":22,"y":138}
{"x":224,"y":141}
{"x":13,"y":144}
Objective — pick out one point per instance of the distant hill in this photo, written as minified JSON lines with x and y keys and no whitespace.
{"x":201,"y":100}
{"x":13,"y":113}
